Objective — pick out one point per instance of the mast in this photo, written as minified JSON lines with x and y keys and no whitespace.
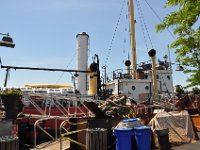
{"x":133,"y":41}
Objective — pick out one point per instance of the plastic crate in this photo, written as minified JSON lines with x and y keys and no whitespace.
{"x":196,"y":122}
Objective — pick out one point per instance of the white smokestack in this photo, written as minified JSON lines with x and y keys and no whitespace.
{"x":82,"y":61}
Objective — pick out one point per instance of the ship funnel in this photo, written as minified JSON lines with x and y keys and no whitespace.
{"x":82,"y":60}
{"x":152,"y":54}
{"x":93,"y":79}
{"x":128,"y":64}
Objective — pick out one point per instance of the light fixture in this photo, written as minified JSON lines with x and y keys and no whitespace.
{"x":7,"y":41}
{"x":179,"y":68}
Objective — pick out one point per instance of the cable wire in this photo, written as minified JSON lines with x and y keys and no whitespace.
{"x":159,"y":18}
{"x":66,"y":68}
{"x":114,"y":34}
{"x":141,"y":15}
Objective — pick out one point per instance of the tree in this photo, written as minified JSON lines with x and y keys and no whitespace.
{"x":186,"y":26}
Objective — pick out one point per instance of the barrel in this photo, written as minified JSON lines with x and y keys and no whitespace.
{"x":9,"y":143}
{"x":143,"y":137}
{"x":163,"y":138}
{"x":96,"y":139}
{"x":123,"y":138}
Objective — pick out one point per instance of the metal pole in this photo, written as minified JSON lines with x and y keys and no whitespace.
{"x":105,"y":77}
{"x":44,"y":69}
{"x":56,"y":127}
{"x":133,"y":41}
{"x":98,"y":76}
{"x":6,"y":78}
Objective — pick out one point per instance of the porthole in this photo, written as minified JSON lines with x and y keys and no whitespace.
{"x":168,"y":77}
{"x":133,"y":88}
{"x":157,"y":76}
{"x":146,"y":87}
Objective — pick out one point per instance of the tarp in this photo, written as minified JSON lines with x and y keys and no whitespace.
{"x":179,"y":124}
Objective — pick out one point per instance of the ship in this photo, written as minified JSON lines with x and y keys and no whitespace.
{"x":52,"y":110}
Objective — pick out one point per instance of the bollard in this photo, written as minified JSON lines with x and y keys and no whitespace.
{"x":163,"y":138}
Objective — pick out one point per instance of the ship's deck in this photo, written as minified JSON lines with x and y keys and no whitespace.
{"x":53,"y":145}
{"x":191,"y":146}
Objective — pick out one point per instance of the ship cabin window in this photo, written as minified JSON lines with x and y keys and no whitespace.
{"x":146,"y":87}
{"x":157,"y":76}
{"x":110,"y":91}
{"x":133,"y":88}
{"x":168,"y":77}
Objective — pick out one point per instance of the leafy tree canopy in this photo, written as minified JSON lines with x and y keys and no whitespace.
{"x":186,"y":26}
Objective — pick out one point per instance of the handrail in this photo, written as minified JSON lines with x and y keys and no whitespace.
{"x":34,"y":104}
{"x":36,"y":124}
{"x":62,"y":135}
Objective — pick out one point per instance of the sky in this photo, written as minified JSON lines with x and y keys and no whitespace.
{"x":45,"y":36}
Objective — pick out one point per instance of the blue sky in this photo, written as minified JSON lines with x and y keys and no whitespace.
{"x":45,"y":36}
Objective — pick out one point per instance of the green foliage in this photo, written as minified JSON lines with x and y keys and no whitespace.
{"x":12,"y":91}
{"x":185,"y":22}
{"x":196,"y":90}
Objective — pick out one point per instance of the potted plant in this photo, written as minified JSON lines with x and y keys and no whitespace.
{"x":10,"y":99}
{"x":179,"y":103}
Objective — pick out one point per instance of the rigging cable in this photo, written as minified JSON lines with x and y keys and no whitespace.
{"x":71,"y":62}
{"x":66,"y":68}
{"x":126,"y":34}
{"x":142,"y":27}
{"x":113,"y":37}
{"x":142,"y":20}
{"x":159,"y":18}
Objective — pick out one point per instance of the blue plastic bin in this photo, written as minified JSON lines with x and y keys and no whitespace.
{"x":130,"y":120}
{"x":123,"y":138}
{"x":143,"y":137}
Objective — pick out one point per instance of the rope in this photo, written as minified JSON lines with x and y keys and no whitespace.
{"x":74,"y":141}
{"x":159,"y":18}
{"x":142,"y":20}
{"x":80,"y":123}
{"x":126,"y":34}
{"x":114,"y":34}
{"x":66,"y":68}
{"x":72,"y":132}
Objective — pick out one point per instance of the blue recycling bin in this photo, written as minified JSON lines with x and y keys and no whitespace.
{"x":131,"y":123}
{"x":143,"y":137}
{"x":123,"y":138}
{"x":130,"y":120}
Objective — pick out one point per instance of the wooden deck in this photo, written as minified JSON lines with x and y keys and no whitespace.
{"x":191,"y":146}
{"x":53,"y":145}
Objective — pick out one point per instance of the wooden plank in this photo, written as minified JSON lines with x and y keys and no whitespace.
{"x":53,"y":145}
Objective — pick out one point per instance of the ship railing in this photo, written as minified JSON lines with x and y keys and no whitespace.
{"x":27,"y":97}
{"x":68,"y":133}
{"x":118,"y":74}
{"x":37,"y":125}
{"x":76,"y":101}
{"x":49,"y":100}
{"x":165,"y":102}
